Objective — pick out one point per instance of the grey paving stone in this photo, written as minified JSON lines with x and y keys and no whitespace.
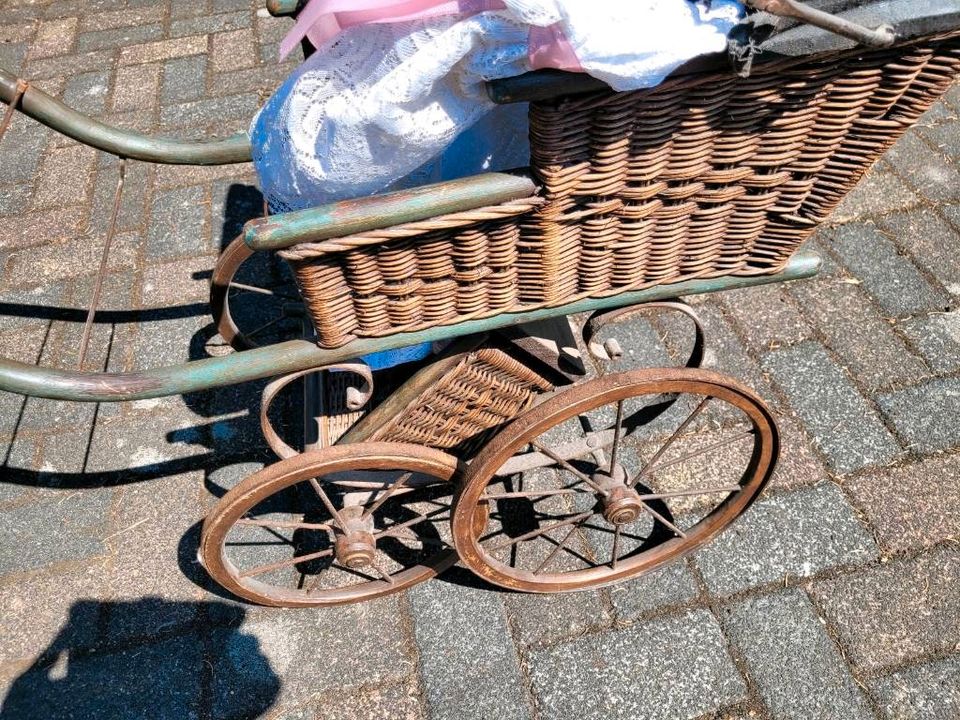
{"x":21,"y":148}
{"x":880,"y":192}
{"x":936,"y":178}
{"x":944,"y":138}
{"x":468,"y":662}
{"x":46,"y":227}
{"x":799,"y":671}
{"x":926,"y":236}
{"x":178,"y":223}
{"x":890,"y":278}
{"x":140,"y":445}
{"x":870,"y":349}
{"x":912,"y":506}
{"x":63,"y":177}
{"x":789,"y":535}
{"x":397,"y":702}
{"x":12,"y":55}
{"x":677,"y":667}
{"x":725,"y":353}
{"x":186,"y":8}
{"x":118,"y":37}
{"x":133,"y":200}
{"x":541,"y":619}
{"x":157,"y":681}
{"x":925,"y":416}
{"x":146,"y":535}
{"x":184,"y":79}
{"x":937,"y":336}
{"x":210,"y":110}
{"x":167,"y":342}
{"x":798,"y":464}
{"x":65,"y":525}
{"x":210,"y":23}
{"x":766,"y":315}
{"x":840,"y":422}
{"x":671,"y":585}
{"x":311,"y":652}
{"x":14,"y":198}
{"x":30,"y":627}
{"x":897,"y":612}
{"x":926,"y":692}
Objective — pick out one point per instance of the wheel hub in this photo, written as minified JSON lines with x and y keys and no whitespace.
{"x":356,"y":546}
{"x":621,"y":505}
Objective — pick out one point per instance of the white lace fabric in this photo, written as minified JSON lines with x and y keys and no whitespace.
{"x":376,"y":107}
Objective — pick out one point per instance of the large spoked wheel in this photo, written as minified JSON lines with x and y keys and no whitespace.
{"x":614,"y":478}
{"x":344,"y":524}
{"x":253,"y":299}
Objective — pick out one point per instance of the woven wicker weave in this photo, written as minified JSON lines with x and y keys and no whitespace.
{"x":703,"y":176}
{"x":486,"y":389}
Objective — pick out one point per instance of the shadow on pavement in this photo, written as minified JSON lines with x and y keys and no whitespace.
{"x":214,"y":670}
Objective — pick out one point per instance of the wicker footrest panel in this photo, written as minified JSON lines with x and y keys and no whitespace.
{"x":703,"y":176}
{"x":486,"y":389}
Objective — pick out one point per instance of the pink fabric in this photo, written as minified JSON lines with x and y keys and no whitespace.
{"x":322,"y":20}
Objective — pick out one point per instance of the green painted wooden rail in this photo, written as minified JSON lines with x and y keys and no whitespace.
{"x":298,"y":355}
{"x":347,"y":217}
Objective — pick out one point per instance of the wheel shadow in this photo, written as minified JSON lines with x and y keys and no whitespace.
{"x":101,"y":665}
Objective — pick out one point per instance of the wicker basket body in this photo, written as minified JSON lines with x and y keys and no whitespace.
{"x":703,"y":176}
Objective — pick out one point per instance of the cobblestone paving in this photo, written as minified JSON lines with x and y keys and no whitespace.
{"x":837,"y":596}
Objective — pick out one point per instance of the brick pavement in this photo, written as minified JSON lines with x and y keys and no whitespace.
{"x":835,"y":597}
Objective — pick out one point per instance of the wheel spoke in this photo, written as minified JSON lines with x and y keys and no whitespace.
{"x":421,"y":517}
{"x":540,"y":531}
{"x":315,"y":484}
{"x":268,"y":324}
{"x":287,"y":524}
{"x":687,"y":493}
{"x":263,"y":291}
{"x":386,"y":496}
{"x":261,"y":569}
{"x":676,"y":433}
{"x":617,"y":431}
{"x":560,"y":546}
{"x":663,"y":520}
{"x":614,"y":555}
{"x":701,"y":451}
{"x":534,"y":494}
{"x":382,"y":573}
{"x":567,"y":466}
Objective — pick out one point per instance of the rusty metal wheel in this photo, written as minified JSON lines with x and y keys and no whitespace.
{"x":253,"y":298}
{"x":614,"y":478}
{"x":340,"y":525}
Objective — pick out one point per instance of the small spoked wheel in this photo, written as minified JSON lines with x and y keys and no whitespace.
{"x":253,"y":298}
{"x":343,"y":524}
{"x":613,"y":478}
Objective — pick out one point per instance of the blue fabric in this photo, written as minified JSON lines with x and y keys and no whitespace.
{"x":391,"y":358}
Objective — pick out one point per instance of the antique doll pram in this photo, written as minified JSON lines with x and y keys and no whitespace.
{"x":497,"y":450}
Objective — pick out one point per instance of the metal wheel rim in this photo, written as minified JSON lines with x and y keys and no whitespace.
{"x":289,"y":472}
{"x":590,"y":396}
{"x":221,"y":283}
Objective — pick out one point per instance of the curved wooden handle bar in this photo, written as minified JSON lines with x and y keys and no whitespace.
{"x":296,"y":355}
{"x":350,"y":217}
{"x":123,"y":143}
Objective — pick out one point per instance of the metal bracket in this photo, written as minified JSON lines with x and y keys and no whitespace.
{"x":357,"y":397}
{"x":882,"y":36}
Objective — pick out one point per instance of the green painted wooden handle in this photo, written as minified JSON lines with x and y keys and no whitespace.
{"x":123,"y":143}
